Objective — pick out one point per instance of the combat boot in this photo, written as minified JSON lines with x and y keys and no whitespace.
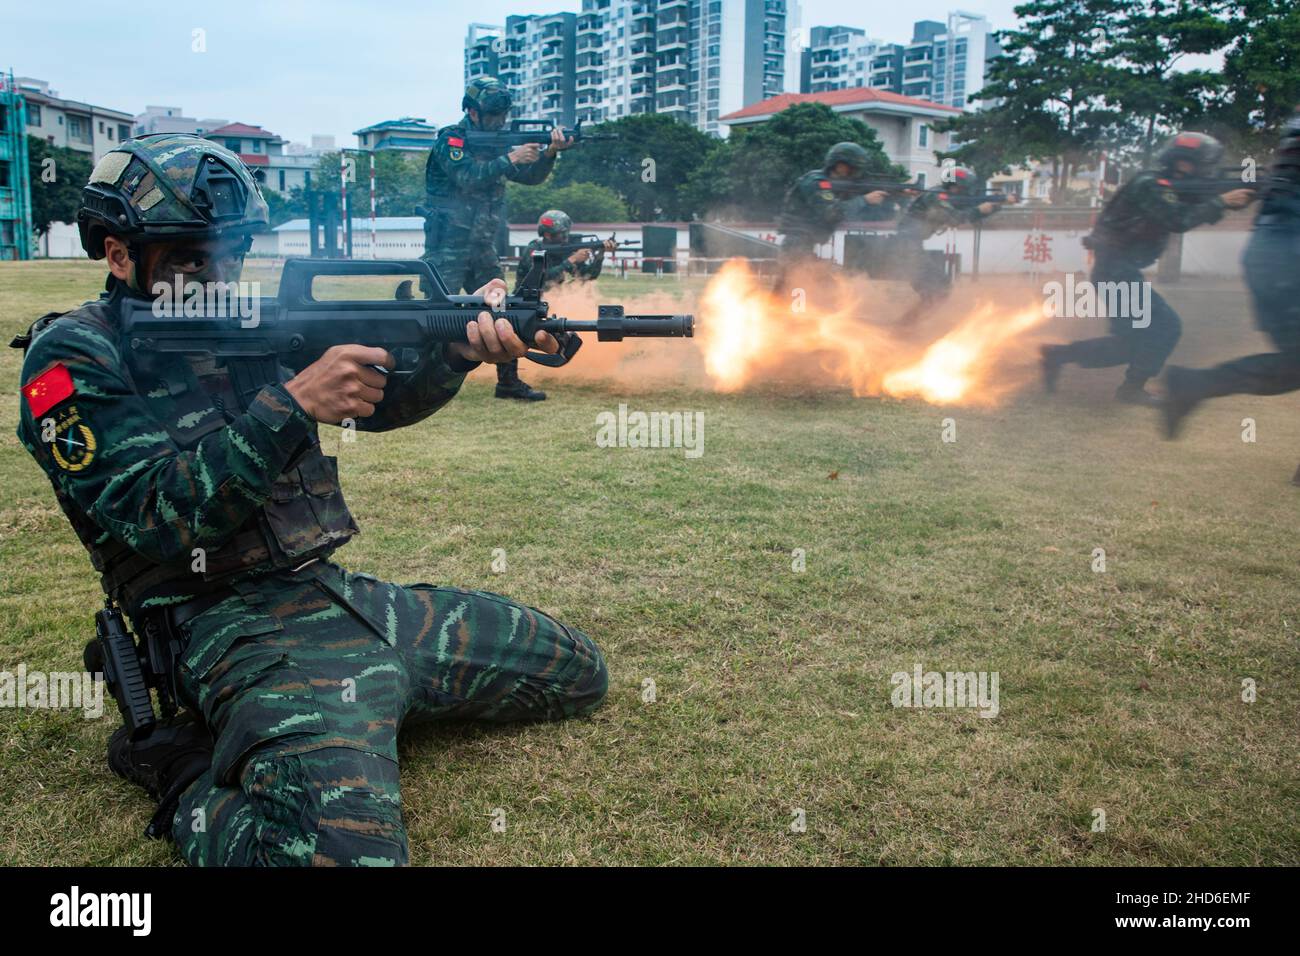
{"x":510,"y":385}
{"x":1051,"y":363}
{"x":1181,"y":396}
{"x":165,"y":762}
{"x":1132,"y":393}
{"x":1295,"y":479}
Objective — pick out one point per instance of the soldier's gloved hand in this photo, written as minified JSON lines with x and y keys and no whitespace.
{"x":525,"y":154}
{"x":877,"y":197}
{"x":611,"y":245}
{"x":580,"y":256}
{"x":342,"y":383}
{"x":987,"y":208}
{"x":1238,"y":198}
{"x":494,"y":341}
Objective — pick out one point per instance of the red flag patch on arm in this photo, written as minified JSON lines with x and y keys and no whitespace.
{"x":48,"y":389}
{"x":455,"y":141}
{"x":824,"y":184}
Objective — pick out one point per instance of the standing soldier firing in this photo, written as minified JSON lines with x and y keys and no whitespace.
{"x":466,"y":202}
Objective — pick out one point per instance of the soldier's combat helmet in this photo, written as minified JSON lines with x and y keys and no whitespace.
{"x":169,"y":186}
{"x":554,"y":224}
{"x":1200,"y":149}
{"x":958,"y":179}
{"x":849,"y":153}
{"x":486,"y":94}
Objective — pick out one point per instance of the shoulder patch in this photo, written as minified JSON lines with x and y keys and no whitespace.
{"x":1164,"y":182}
{"x":823,"y":184}
{"x":72,"y":444}
{"x":48,"y":389}
{"x":456,"y":141}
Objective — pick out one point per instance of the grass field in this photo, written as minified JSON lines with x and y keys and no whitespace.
{"x":1119,"y":691}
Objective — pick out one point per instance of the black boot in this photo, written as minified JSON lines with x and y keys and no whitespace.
{"x":1181,"y":396}
{"x":1132,"y":393}
{"x":1051,"y":362}
{"x":510,"y":385}
{"x":1295,"y":479}
{"x":165,"y":762}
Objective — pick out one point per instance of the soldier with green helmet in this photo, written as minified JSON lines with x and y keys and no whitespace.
{"x":1131,"y":233}
{"x":553,"y":228}
{"x":466,"y":202}
{"x":213,"y":521}
{"x":813,"y":209}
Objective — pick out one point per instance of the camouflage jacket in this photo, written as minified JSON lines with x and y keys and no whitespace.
{"x":151,"y":459}
{"x":1136,"y":224}
{"x":466,"y":191}
{"x":933,"y":212}
{"x":557,"y":266}
{"x":812,"y":211}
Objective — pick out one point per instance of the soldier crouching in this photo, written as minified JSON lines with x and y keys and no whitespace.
{"x":291,"y":675}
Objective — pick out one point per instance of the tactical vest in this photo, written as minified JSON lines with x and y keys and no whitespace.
{"x":1125,"y":228}
{"x":304,"y":518}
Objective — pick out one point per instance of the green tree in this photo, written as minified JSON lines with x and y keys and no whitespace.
{"x":1151,"y":38}
{"x":1046,"y":92}
{"x":748,"y":175}
{"x":584,"y":202}
{"x":1261,"y":69}
{"x":646,"y":164}
{"x":57,"y":175}
{"x":399,"y":180}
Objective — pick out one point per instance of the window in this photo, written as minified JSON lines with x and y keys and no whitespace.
{"x":923,"y":135}
{"x":33,"y":114}
{"x":257,"y":145}
{"x":123,"y":131}
{"x":4,"y":175}
{"x":232,"y":145}
{"x":306,"y":178}
{"x":101,"y":126}
{"x":920,"y":180}
{"x":282,"y":180}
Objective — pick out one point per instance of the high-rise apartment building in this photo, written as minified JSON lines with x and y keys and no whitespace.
{"x":691,"y":59}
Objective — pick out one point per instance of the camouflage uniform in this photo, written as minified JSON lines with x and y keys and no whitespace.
{"x":930,"y":213}
{"x":810,"y":214}
{"x":467,"y":208}
{"x":557,"y":267}
{"x":303,"y":672}
{"x":1130,"y":235}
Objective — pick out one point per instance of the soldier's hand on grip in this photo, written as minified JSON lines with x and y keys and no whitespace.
{"x":343,"y":383}
{"x":1238,"y":198}
{"x":525,"y":154}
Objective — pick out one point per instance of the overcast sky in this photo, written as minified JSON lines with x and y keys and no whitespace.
{"x":325,"y":66}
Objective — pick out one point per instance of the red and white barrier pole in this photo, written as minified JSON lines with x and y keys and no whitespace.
{"x":373,"y":244}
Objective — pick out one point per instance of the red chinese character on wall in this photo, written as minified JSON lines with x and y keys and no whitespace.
{"x":1038,"y":247}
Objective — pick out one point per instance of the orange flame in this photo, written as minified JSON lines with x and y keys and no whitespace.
{"x":748,"y":334}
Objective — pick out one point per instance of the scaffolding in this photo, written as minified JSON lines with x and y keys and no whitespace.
{"x":15,"y":178}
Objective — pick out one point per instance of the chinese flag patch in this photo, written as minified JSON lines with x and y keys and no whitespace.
{"x":455,"y":141}
{"x":824,"y":183}
{"x":48,"y":389}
